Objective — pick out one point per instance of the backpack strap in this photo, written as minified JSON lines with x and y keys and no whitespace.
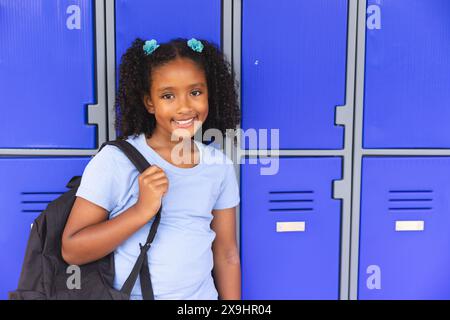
{"x":141,"y":265}
{"x":131,"y":152}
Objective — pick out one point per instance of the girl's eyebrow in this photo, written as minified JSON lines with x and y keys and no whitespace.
{"x":165,"y":88}
{"x":199,"y":84}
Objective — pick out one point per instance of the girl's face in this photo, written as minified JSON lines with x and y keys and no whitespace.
{"x":178,"y":98}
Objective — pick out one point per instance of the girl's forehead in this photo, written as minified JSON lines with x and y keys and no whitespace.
{"x":178,"y":70}
{"x":178,"y":65}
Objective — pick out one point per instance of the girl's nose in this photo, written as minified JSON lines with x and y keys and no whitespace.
{"x":184,"y":106}
{"x":184,"y":109}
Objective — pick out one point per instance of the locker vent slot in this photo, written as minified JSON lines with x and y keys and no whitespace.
{"x":293,"y":201}
{"x":410,"y":200}
{"x":410,"y":191}
{"x":36,"y":202}
{"x":403,"y":209}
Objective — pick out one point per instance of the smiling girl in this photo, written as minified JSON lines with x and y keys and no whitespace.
{"x":167,"y":93}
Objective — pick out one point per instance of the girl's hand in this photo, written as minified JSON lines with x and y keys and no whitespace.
{"x":153,"y":184}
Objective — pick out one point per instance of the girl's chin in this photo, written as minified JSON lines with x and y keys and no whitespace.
{"x":183,"y":133}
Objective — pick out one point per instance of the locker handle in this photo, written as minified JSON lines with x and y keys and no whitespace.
{"x":402,"y":225}
{"x":293,"y":226}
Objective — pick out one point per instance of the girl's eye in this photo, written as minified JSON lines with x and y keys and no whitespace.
{"x":196,"y":93}
{"x":167,"y":96}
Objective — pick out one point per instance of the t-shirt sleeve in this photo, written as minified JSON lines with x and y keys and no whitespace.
{"x":229,"y":190}
{"x":99,"y":180}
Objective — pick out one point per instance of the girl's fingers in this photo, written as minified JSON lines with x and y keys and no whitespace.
{"x":153,"y":177}
{"x":160,"y":181}
{"x":156,"y":176}
{"x":151,"y":170}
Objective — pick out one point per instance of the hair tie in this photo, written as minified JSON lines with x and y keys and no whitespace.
{"x":195,"y":45}
{"x":150,"y":46}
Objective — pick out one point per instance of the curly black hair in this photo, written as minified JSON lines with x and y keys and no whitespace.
{"x":132,"y":118}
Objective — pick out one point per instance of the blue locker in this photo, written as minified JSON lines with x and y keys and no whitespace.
{"x":407,"y":74}
{"x":302,"y":263}
{"x":189,"y":19}
{"x":294,"y":70}
{"x":46,"y":74}
{"x":404,"y":228}
{"x":26,"y":188}
{"x":146,"y":19}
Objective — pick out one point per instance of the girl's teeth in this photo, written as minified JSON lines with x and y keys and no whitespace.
{"x":184,"y":122}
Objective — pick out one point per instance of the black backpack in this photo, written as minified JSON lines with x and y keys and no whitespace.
{"x":45,"y":274}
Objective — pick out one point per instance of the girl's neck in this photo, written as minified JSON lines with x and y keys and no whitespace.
{"x":159,"y":140}
{"x":164,"y":146}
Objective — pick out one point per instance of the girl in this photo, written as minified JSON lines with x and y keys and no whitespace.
{"x":166,"y":93}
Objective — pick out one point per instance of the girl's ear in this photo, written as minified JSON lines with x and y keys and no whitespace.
{"x":149,"y":104}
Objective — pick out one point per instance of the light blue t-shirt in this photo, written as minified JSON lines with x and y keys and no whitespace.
{"x":180,"y":258}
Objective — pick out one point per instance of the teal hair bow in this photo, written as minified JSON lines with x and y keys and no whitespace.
{"x":195,"y":45}
{"x":150,"y":46}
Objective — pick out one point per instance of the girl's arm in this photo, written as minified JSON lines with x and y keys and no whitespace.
{"x":89,"y":236}
{"x":227,"y":266}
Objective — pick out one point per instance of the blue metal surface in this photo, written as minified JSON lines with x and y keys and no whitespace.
{"x":46,"y":74}
{"x":407,"y":75}
{"x":294,"y":70}
{"x":290,"y":265}
{"x":188,"y":19}
{"x":26,"y":188}
{"x":410,"y":264}
{"x":199,"y":19}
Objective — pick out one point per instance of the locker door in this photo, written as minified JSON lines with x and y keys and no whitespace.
{"x":140,"y":18}
{"x":407,"y":74}
{"x":294,"y":70}
{"x":27,"y":186}
{"x":46,"y":74}
{"x":302,"y":263}
{"x":405,"y":223}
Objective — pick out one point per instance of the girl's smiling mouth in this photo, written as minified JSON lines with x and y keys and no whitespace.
{"x":185,"y":123}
